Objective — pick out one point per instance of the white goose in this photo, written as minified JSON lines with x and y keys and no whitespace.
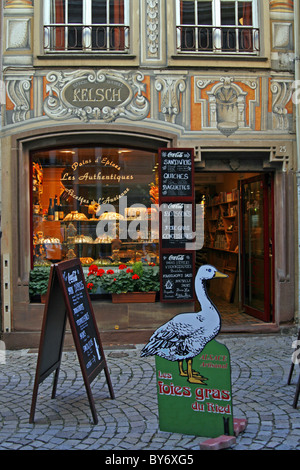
{"x":185,"y":335}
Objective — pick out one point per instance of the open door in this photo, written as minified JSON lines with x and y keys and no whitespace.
{"x":256,"y":245}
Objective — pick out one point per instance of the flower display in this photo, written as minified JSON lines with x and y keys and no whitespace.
{"x":137,"y":278}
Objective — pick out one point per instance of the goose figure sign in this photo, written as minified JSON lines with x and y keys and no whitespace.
{"x":193,"y":369}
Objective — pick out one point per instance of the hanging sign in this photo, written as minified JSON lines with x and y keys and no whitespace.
{"x":67,"y":297}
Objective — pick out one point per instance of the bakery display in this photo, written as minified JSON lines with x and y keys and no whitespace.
{"x":75,"y":215}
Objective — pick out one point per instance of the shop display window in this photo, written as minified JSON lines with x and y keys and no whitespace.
{"x":95,"y":203}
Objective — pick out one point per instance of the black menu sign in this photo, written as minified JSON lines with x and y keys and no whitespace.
{"x":83,"y":318}
{"x":177,"y":224}
{"x":177,"y":277}
{"x":176,"y":173}
{"x":67,"y":297}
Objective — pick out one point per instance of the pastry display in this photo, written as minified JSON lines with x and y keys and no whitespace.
{"x":51,"y":240}
{"x":86,"y":260}
{"x":103,"y":240}
{"x":83,"y":239}
{"x":75,"y":215}
{"x":39,"y":239}
{"x":111,"y":216}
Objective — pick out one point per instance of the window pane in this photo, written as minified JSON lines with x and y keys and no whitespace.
{"x":187,"y":16}
{"x":116,"y":11}
{"x":75,"y":16}
{"x":228,"y":13}
{"x":99,"y":12}
{"x":75,"y":11}
{"x":245,"y":19}
{"x":56,"y":34}
{"x":99,"y":33}
{"x":205,"y":18}
{"x":228,"y":18}
{"x":245,"y":13}
{"x":187,"y":12}
{"x":205,"y":13}
{"x":58,"y":11}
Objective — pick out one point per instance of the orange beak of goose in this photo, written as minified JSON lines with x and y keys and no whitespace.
{"x":219,"y":275}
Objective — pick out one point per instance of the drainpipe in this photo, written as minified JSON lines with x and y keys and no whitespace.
{"x":297,"y":107}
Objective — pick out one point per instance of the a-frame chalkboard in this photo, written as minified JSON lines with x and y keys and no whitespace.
{"x":67,"y":297}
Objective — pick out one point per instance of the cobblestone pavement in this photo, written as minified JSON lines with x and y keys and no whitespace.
{"x":260,"y":367}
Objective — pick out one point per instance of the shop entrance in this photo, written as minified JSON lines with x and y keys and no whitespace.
{"x":238,"y":240}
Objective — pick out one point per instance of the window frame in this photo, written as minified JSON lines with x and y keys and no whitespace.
{"x":86,"y":25}
{"x":216,"y":29}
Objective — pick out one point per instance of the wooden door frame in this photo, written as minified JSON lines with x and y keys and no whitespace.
{"x":267,"y":179}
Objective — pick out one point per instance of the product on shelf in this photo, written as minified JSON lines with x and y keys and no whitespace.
{"x":75,"y":215}
{"x":83,"y":239}
{"x":111,"y":216}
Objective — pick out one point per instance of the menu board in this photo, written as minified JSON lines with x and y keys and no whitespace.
{"x":83,"y":319}
{"x":67,"y":297}
{"x":176,"y":173}
{"x":177,"y":277}
{"x":176,"y":225}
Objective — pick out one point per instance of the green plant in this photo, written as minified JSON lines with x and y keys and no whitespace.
{"x":38,"y":281}
{"x":135,"y":279}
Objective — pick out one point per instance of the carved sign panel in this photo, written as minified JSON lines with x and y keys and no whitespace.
{"x":82,"y":92}
{"x":100,"y":95}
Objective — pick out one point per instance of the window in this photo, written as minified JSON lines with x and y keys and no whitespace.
{"x":217,"y":26}
{"x":86,"y":26}
{"x":95,"y":203}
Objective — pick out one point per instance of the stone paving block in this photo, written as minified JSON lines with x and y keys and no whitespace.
{"x":218,"y":443}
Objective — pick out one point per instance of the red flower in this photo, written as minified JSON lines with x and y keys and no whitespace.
{"x":93,"y":268}
{"x":110,"y":271}
{"x":90,"y":286}
{"x":129,"y":270}
{"x":100,"y":272}
{"x":135,"y":276}
{"x":115,"y":279}
{"x":122,"y":266}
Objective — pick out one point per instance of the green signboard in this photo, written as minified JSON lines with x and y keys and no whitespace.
{"x":199,"y":409}
{"x":193,"y":369}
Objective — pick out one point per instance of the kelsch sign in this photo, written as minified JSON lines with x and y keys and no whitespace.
{"x":83,"y":92}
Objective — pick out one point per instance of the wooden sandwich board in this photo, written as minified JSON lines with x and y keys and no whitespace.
{"x":68,"y":298}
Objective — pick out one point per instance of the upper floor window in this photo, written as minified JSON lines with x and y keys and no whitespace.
{"x":217,"y":26}
{"x":86,"y":25}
